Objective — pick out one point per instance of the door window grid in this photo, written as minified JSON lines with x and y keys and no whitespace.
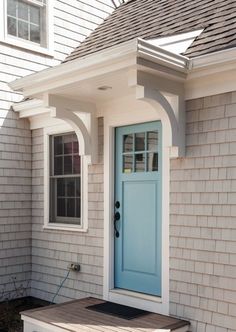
{"x":65,"y":182}
{"x":140,"y":152}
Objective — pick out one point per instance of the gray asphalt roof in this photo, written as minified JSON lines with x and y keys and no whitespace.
{"x":157,"y":18}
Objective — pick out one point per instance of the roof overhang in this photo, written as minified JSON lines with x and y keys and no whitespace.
{"x":135,"y":53}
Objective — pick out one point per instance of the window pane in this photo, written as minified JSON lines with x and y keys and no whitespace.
{"x":11,"y":7}
{"x":152,"y":140}
{"x":75,"y":147}
{"x":23,"y":11}
{"x":23,"y":30}
{"x":71,"y":207}
{"x":34,"y":15}
{"x":11,"y":26}
{"x":58,"y":165}
{"x":77,"y":190}
{"x":128,"y":143}
{"x":70,"y":191}
{"x":35,"y":33}
{"x":61,"y":207}
{"x":140,"y":142}
{"x":152,"y":162}
{"x":60,"y":187}
{"x":128,"y":164}
{"x":58,"y":145}
{"x":68,"y":165}
{"x":78,"y":209}
{"x":76,"y":164}
{"x":140,"y":162}
{"x":68,"y":139}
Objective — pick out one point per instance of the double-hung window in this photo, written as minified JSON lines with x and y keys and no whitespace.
{"x":26,"y":24}
{"x":65,"y":180}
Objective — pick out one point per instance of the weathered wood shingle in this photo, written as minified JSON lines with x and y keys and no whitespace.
{"x":156,"y":18}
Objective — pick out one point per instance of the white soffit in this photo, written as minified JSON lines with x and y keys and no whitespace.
{"x":178,"y":43}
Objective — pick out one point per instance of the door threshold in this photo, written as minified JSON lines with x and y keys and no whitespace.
{"x":137,"y":295}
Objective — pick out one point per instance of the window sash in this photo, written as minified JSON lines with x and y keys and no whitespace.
{"x":41,"y":26}
{"x":54,"y":218}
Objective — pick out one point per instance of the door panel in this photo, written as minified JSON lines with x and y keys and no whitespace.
{"x":138,"y":188}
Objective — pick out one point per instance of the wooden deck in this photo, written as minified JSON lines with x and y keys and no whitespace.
{"x":73,"y":316}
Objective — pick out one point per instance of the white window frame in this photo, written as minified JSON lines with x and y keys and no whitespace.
{"x":83,"y":226}
{"x":26,"y":44}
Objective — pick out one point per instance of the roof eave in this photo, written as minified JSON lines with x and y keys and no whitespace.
{"x":71,"y":71}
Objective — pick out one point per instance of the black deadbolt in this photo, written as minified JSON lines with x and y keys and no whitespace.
{"x":117,"y":204}
{"x":117,"y":216}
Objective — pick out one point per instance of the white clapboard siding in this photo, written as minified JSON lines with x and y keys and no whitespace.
{"x":73,"y":21}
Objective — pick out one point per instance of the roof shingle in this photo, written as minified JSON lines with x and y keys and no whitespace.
{"x":150,"y":19}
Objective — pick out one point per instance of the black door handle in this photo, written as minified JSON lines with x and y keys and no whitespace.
{"x":116,"y":217}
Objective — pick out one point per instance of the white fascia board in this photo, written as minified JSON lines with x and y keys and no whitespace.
{"x":115,"y":58}
{"x":213,"y":63}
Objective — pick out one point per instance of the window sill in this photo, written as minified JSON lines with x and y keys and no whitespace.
{"x":27,"y":46}
{"x":67,"y":228}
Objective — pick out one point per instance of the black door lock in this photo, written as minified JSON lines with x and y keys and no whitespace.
{"x":116,"y":217}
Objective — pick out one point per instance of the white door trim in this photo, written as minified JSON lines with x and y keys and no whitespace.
{"x":146,"y":302}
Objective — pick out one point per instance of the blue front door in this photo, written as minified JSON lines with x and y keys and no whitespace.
{"x":138,"y":208}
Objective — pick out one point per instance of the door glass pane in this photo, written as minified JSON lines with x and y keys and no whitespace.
{"x":128,"y":143}
{"x":152,"y":140}
{"x":140,"y":142}
{"x":140,"y":162}
{"x":11,"y":26}
{"x":11,"y":7}
{"x":23,"y":30}
{"x":23,"y":11}
{"x":152,"y":162}
{"x":128,"y":163}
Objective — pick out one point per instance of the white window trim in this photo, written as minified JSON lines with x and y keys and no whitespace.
{"x":83,"y":227}
{"x":25,"y":44}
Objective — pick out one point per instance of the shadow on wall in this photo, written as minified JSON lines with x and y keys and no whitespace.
{"x":15,"y":204}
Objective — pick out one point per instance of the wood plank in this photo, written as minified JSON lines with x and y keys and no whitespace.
{"x":73,"y":316}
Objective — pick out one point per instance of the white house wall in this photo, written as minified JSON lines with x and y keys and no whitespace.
{"x":73,"y":21}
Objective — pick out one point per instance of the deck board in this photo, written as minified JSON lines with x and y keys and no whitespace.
{"x":73,"y":316}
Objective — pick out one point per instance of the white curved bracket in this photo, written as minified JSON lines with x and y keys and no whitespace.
{"x":82,"y":118}
{"x":172,"y":112}
{"x":77,"y":124}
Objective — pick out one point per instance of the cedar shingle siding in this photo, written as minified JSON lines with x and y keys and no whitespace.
{"x":157,"y":18}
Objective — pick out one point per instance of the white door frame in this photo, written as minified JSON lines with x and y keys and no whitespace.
{"x":112,"y":120}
